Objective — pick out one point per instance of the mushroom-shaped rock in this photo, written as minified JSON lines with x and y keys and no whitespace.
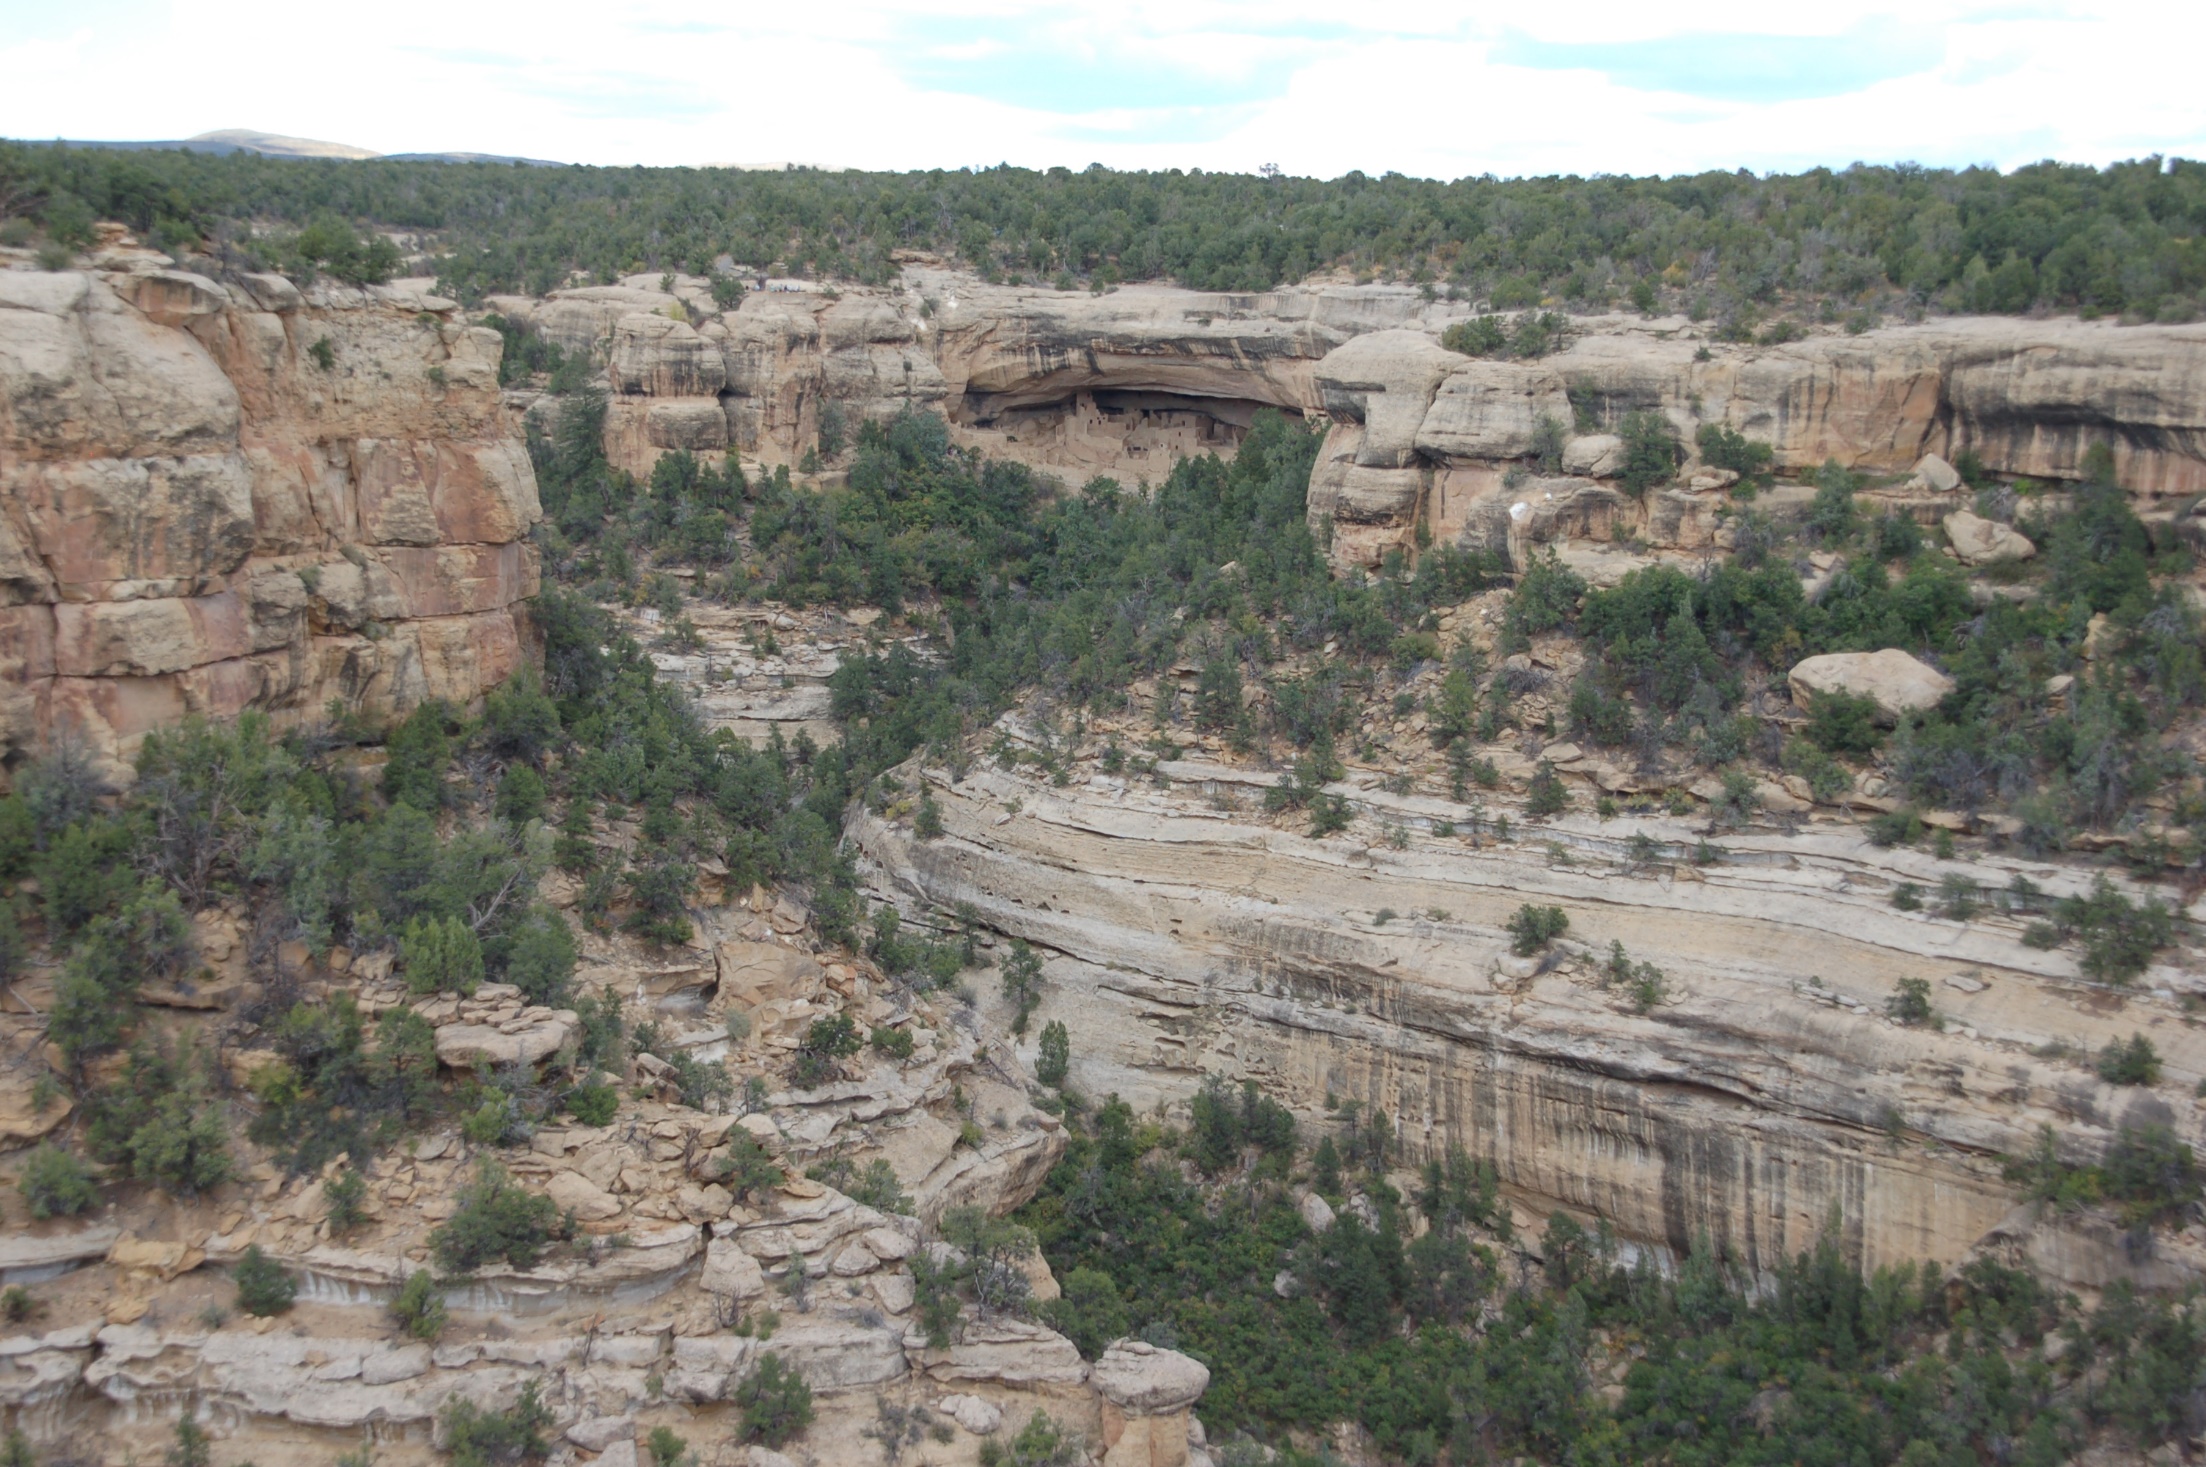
{"x":1142,"y":1379}
{"x":1894,"y":681}
{"x":1979,"y":541}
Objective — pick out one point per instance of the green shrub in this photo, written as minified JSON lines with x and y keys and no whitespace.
{"x":334,"y":1094}
{"x":191,"y":1448}
{"x":520,"y":797}
{"x":1533,"y":928}
{"x":665,"y":1448}
{"x":419,"y":1308}
{"x":1901,"y":827}
{"x":748,"y":1168}
{"x":1042,"y":1442}
{"x":1088,"y":1311}
{"x":496,"y":1220}
{"x":1022,"y":982}
{"x":897,"y":1044}
{"x":1546,"y":597}
{"x":1545,"y":795}
{"x":346,"y":1194}
{"x":826,"y":1041}
{"x":2151,"y":1172}
{"x":1651,"y":452}
{"x":1843,"y":723}
{"x":477,"y":1437}
{"x":441,"y":956}
{"x":593,"y":1104}
{"x":162,"y":1122}
{"x":660,"y":886}
{"x":1910,"y":1002}
{"x":775,"y":1402}
{"x":538,"y":957}
{"x":1053,"y":1056}
{"x":18,"y":838}
{"x":418,"y":750}
{"x":519,"y":720}
{"x":1479,"y":336}
{"x":56,"y":1184}
{"x":264,"y":1287}
{"x":1727,"y":448}
{"x":2119,"y":936}
{"x":2134,"y":1063}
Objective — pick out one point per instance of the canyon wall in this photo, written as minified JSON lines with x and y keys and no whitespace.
{"x":1074,"y":384}
{"x":1763,"y":1095}
{"x":1125,"y":382}
{"x":1424,"y":435}
{"x":216,"y":498}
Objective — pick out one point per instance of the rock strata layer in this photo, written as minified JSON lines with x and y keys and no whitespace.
{"x":221,"y":497}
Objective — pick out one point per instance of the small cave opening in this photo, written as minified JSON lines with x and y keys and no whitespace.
{"x":1113,"y":427}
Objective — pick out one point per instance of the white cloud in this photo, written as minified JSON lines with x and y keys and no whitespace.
{"x":1392,"y":85}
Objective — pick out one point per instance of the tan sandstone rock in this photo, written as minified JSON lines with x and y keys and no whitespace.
{"x":1897,"y":682}
{"x":1980,"y":541}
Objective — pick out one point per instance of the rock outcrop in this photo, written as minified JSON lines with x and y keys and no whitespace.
{"x":216,"y":498}
{"x":1897,"y":682}
{"x":1147,"y":1393}
{"x":2025,"y":397}
{"x":1125,"y":382}
{"x":1765,"y":1091}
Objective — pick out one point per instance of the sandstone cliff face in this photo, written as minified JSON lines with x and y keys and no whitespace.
{"x":1421,"y":435}
{"x":197,"y":516}
{"x":1074,"y":384}
{"x":1764,"y":1094}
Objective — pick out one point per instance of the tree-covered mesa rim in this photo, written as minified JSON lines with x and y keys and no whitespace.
{"x":2123,"y":239}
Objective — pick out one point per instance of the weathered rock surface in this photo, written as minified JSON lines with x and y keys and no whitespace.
{"x":1895,"y":681}
{"x":1142,"y":1379}
{"x":1980,"y":541}
{"x":1752,"y":1101}
{"x":2027,"y":397}
{"x":198,"y":517}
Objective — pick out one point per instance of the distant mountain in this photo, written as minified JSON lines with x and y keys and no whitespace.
{"x":269,"y":144}
{"x":277,"y":145}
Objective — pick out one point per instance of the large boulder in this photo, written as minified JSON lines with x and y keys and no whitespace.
{"x":1979,"y":541}
{"x":1936,"y":474}
{"x":1142,"y":1379}
{"x":579,"y":1195}
{"x":472,"y":1046}
{"x":1896,"y":682}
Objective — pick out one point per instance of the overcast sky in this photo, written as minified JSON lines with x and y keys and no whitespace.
{"x":1433,"y":90}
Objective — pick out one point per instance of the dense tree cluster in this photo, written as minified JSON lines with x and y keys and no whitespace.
{"x":1405,"y":1315}
{"x":2124,"y":238}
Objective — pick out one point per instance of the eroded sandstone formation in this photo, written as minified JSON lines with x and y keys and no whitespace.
{"x":1763,"y":1094}
{"x":1126,"y":382}
{"x":216,"y":498}
{"x":1426,"y":436}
